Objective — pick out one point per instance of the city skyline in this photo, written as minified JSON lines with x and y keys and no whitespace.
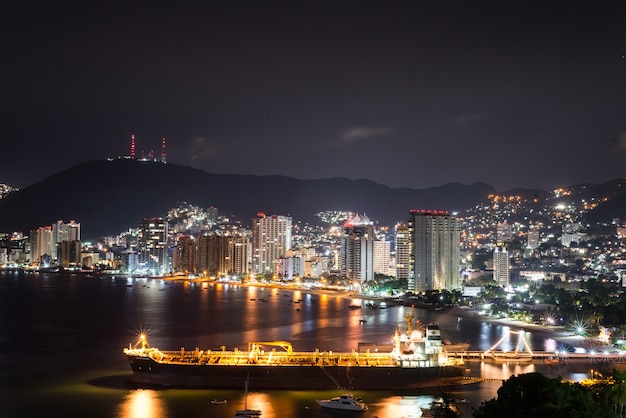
{"x":403,"y":94}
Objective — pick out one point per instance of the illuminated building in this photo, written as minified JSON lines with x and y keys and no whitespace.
{"x":152,"y":246}
{"x":571,"y":233}
{"x":435,"y":260}
{"x":212,"y":215}
{"x":64,"y":232}
{"x":404,"y":249}
{"x":184,"y":255}
{"x":501,"y":266}
{"x":213,"y":254}
{"x":357,"y":249}
{"x":41,"y":246}
{"x":239,"y":255}
{"x":382,"y":257}
{"x":533,"y":239}
{"x":271,"y":238}
{"x":69,"y":253}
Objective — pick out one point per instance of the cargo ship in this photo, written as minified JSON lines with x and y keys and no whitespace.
{"x":415,"y":359}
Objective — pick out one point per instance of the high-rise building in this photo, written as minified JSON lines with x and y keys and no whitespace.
{"x":184,"y":255}
{"x":69,"y":253}
{"x":41,"y":246}
{"x":221,"y":255}
{"x":382,"y":257}
{"x":239,"y":255}
{"x":152,"y":246}
{"x":214,"y":255}
{"x":211,"y":215}
{"x":533,"y":239}
{"x":271,"y":238}
{"x":404,"y":249}
{"x":64,"y":232}
{"x":357,"y":249}
{"x":501,"y":266}
{"x":435,"y":260}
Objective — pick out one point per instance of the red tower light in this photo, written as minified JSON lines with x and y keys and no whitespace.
{"x":163,"y":155}
{"x":132,"y":146}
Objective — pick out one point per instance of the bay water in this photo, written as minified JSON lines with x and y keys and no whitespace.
{"x":62,"y":336}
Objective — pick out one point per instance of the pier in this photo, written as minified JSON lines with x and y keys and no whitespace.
{"x":535,"y":355}
{"x":523,"y":353}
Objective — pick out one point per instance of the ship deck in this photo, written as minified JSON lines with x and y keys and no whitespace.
{"x":316,"y":358}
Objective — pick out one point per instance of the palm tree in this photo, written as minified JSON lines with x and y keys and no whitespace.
{"x":618,"y":396}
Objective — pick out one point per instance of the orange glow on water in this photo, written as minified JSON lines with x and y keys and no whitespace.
{"x":142,"y":404}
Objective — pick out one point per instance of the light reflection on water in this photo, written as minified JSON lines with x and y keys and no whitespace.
{"x":49,"y":346}
{"x":142,"y":404}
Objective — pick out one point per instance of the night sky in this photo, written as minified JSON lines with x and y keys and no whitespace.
{"x":408,"y":94}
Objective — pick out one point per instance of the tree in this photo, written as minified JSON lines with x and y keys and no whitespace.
{"x":537,"y":396}
{"x":618,"y":396}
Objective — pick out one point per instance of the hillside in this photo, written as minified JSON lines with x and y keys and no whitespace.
{"x":108,"y":197}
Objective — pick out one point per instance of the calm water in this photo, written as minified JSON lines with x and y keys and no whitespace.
{"x":61,"y":341}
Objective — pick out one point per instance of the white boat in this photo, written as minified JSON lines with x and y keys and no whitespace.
{"x":346,"y":402}
{"x":218,"y":401}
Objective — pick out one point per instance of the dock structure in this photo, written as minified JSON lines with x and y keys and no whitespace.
{"x":526,"y":355}
{"x":536,"y":355}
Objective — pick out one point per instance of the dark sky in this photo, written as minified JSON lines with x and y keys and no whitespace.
{"x":408,"y":94}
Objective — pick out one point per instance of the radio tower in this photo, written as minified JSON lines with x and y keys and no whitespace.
{"x":132,"y":146}
{"x":163,"y":150}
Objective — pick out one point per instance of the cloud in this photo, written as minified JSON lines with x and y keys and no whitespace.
{"x":359,"y":133}
{"x":202,"y":148}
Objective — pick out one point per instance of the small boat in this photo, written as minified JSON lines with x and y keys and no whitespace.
{"x":218,"y":401}
{"x":362,"y":321}
{"x":248,"y":413}
{"x":346,"y":402}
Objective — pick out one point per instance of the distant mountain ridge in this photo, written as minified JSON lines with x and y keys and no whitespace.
{"x":108,"y":197}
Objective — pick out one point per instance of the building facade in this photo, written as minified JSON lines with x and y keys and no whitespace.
{"x":357,"y":249}
{"x":404,"y":249}
{"x":435,"y":258}
{"x":382,"y":257}
{"x":184,"y":255}
{"x":501,"y":266}
{"x":64,"y":232}
{"x":271,"y":239}
{"x":41,"y":246}
{"x":152,"y":248}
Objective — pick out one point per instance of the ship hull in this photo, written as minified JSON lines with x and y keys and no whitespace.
{"x":147,"y":372}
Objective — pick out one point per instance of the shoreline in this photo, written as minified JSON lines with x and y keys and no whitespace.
{"x":556,"y":333}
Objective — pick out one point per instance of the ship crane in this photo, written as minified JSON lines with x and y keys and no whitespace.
{"x":408,"y":316}
{"x":285,"y":345}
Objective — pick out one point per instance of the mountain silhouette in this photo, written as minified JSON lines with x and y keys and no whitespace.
{"x":110,"y":196}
